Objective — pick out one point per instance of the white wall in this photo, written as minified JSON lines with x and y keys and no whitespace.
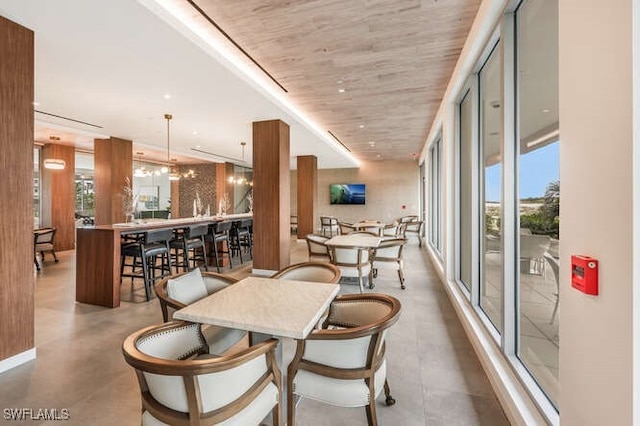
{"x":389,"y":186}
{"x":596,"y":215}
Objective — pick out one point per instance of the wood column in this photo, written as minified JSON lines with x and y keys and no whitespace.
{"x":16,"y":191}
{"x":58,"y":195}
{"x":307,"y":191}
{"x":113,"y":165}
{"x":175,"y":199}
{"x":271,"y":195}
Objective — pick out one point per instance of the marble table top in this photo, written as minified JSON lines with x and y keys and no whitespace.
{"x":358,"y":240}
{"x":276,"y":307}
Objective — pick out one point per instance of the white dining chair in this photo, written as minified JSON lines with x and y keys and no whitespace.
{"x":353,"y":262}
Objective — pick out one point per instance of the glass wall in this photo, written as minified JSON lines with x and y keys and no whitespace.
{"x":435,"y":179}
{"x":539,"y":191}
{"x":465,"y":209}
{"x":491,"y":286}
{"x":84,"y":188}
{"x":517,"y":290}
{"x":152,"y":191}
{"x":242,"y":189}
{"x":36,"y":188}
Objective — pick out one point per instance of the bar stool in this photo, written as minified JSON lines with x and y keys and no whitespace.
{"x":154,"y":243}
{"x":187,"y":243}
{"x":127,"y":252}
{"x":219,"y":235}
{"x":240,"y":237}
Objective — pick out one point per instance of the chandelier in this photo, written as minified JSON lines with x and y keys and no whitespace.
{"x":167,"y":167}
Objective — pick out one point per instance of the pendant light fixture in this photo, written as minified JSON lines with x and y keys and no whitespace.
{"x":173,"y":175}
{"x":242,"y":180}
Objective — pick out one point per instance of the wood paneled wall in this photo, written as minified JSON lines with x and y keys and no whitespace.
{"x":16,"y":191}
{"x":113,"y":165}
{"x":58,"y":195}
{"x":271,"y":207}
{"x":307,"y":190}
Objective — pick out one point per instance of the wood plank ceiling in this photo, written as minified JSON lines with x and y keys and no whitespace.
{"x":392,"y":58}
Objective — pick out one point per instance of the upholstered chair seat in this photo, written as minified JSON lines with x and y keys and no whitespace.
{"x":181,"y":384}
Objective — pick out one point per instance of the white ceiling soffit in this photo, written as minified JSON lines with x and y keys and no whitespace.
{"x":109,"y":64}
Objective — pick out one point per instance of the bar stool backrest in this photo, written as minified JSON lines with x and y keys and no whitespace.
{"x":158,"y":235}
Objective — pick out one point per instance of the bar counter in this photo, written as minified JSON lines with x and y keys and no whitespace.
{"x":98,"y":255}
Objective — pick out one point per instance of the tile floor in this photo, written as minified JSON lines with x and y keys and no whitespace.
{"x":433,"y":372}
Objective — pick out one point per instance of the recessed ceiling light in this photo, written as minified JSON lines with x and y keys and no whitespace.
{"x":340,"y":90}
{"x":361,"y":126}
{"x":35,"y":103}
{"x":372,"y":143}
{"x":546,"y":110}
{"x":339,"y":81}
{"x":197,"y":146}
{"x":167,"y":95}
{"x":195,"y":132}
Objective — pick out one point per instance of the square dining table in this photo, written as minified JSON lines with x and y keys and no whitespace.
{"x":267,"y":307}
{"x":278,"y":308}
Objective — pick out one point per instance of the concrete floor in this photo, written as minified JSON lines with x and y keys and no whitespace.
{"x":432,"y":369}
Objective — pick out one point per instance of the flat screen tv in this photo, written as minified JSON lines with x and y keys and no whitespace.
{"x":347,"y":193}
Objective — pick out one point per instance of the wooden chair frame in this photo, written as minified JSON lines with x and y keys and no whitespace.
{"x":313,"y":239}
{"x":43,"y":236}
{"x":375,"y":353}
{"x":190,"y":369}
{"x":324,"y":265}
{"x":390,"y":243}
{"x":358,"y":265}
{"x":166,"y":302}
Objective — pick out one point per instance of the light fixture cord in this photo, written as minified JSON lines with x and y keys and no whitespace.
{"x":168,"y":117}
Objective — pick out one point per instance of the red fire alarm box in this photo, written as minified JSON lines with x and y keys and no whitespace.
{"x":584,"y":274}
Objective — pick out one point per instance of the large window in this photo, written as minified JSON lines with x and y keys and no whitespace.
{"x":435,"y":191}
{"x":466,"y":189}
{"x":508,"y":154}
{"x":491,"y":286}
{"x":539,"y":191}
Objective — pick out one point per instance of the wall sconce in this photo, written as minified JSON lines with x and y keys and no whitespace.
{"x":54,"y":164}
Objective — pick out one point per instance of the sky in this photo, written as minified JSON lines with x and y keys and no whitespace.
{"x":537,"y":169}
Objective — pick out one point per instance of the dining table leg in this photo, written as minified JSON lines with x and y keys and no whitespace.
{"x":283,"y":364}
